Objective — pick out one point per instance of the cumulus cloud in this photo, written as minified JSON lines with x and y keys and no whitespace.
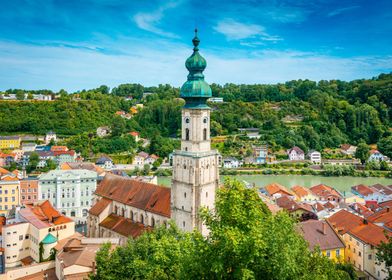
{"x":235,"y":30}
{"x":149,"y":21}
{"x":56,"y":67}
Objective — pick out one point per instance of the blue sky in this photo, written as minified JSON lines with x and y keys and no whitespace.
{"x":76,"y":45}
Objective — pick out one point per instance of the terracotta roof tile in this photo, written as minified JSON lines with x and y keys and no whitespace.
{"x":123,"y":226}
{"x":277,"y":188}
{"x":325,"y":191}
{"x":383,"y":216}
{"x":369,"y":233}
{"x":300,"y":191}
{"x":146,"y":196}
{"x":362,"y":190}
{"x":344,"y":221}
{"x":99,"y":206}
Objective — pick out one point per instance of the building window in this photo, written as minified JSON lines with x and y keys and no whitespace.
{"x":359,"y":253}
{"x":142,"y":218}
{"x":183,"y":224}
{"x":205,"y":120}
{"x":131,"y":215}
{"x":184,"y":194}
{"x":205,"y":134}
{"x":187,"y":134}
{"x":187,"y":120}
{"x":206,"y":194}
{"x":370,"y":256}
{"x":85,"y":212}
{"x":72,"y":213}
{"x":20,"y":237}
{"x":337,"y":252}
{"x":152,"y":222}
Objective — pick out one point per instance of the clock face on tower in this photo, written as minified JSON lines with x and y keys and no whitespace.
{"x":205,"y":120}
{"x":187,"y":120}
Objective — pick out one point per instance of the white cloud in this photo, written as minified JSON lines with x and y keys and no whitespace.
{"x":56,"y":67}
{"x":234,"y":30}
{"x":148,"y":21}
{"x":341,"y":10}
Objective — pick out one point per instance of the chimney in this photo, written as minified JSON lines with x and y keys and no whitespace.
{"x":324,"y":228}
{"x":387,"y":209}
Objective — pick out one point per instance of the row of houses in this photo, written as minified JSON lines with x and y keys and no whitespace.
{"x":344,"y":228}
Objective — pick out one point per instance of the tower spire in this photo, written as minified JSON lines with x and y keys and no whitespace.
{"x":195,"y":90}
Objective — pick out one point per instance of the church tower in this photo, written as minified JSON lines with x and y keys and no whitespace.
{"x":195,"y":167}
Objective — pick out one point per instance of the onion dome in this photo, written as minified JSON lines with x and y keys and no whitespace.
{"x":195,"y":90}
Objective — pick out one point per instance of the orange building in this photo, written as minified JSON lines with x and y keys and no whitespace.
{"x":28,"y":191}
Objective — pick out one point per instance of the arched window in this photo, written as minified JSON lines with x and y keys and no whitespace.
{"x":131,"y":215}
{"x":184,"y":194}
{"x":205,"y":133}
{"x":152,"y":222}
{"x":187,"y":134}
{"x":115,"y":209}
{"x":142,"y":218}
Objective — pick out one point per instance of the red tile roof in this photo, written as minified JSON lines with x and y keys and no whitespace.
{"x":322,"y":190}
{"x":146,"y":196}
{"x":99,"y":206}
{"x":344,"y":221}
{"x":383,"y":216}
{"x":320,"y":233}
{"x":362,"y":190}
{"x":369,"y":233}
{"x":123,"y":226}
{"x":43,"y":215}
{"x":277,"y":188}
{"x":300,"y":191}
{"x":386,"y":203}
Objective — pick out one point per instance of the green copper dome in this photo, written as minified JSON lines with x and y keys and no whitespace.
{"x":195,"y":90}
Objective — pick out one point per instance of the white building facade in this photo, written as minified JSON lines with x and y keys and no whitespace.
{"x":70,"y":191}
{"x":195,"y":166}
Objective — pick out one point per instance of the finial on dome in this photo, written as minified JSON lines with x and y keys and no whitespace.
{"x":196,"y":41}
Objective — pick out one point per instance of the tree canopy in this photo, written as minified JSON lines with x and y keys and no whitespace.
{"x":245,"y":242}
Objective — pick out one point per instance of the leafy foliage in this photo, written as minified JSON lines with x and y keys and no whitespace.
{"x":246,"y":242}
{"x":384,"y":254}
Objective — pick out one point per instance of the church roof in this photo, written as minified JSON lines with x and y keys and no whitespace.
{"x":141,"y":195}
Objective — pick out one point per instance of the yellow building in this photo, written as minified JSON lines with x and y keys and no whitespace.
{"x":361,"y":237}
{"x":9,"y":142}
{"x":9,"y":191}
{"x":322,"y":235}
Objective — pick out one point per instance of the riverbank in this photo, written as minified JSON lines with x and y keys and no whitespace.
{"x":343,"y":183}
{"x":335,"y":171}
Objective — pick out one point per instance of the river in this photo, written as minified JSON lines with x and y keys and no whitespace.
{"x":342,"y":184}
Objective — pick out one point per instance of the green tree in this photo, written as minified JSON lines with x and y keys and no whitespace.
{"x":363,"y":152}
{"x":384,"y":255}
{"x":146,"y":169}
{"x":245,"y":242}
{"x":385,"y":146}
{"x":20,"y":95}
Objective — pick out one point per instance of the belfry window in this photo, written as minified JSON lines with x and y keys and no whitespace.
{"x":187,"y":134}
{"x":205,"y":133}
